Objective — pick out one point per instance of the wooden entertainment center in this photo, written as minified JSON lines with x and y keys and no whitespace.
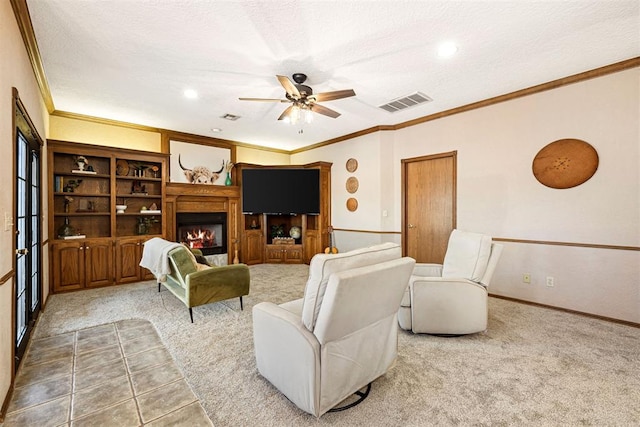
{"x":258,"y":243}
{"x":94,"y":242}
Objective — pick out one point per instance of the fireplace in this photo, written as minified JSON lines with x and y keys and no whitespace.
{"x":206,"y":231}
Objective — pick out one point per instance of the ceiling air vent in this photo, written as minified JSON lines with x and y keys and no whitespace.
{"x":398,"y":104}
{"x":231,"y":117}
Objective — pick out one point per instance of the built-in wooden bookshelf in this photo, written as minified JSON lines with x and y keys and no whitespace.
{"x":93,"y":239}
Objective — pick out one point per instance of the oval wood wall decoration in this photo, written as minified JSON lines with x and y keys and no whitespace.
{"x":122,"y":167}
{"x":565,"y":163}
{"x":352,"y":165}
{"x":352,"y":184}
{"x":352,"y":204}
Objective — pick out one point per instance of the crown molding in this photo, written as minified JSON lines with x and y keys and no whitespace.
{"x":21,"y":12}
{"x":554,"y":84}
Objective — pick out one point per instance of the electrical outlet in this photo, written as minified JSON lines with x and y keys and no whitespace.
{"x":526,"y":278}
{"x":550,"y":282}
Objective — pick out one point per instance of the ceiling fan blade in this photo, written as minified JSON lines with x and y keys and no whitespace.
{"x":330,"y":96}
{"x":288,"y":85}
{"x":286,"y":113}
{"x":264,"y":99}
{"x":324,"y":110}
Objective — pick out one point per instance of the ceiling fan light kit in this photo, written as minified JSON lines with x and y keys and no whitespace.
{"x":303,"y":101}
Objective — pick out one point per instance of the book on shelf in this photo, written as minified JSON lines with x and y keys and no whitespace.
{"x":58,"y":184}
{"x":84,"y":172}
{"x":75,"y":236}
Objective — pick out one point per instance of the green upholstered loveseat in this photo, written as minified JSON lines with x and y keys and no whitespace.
{"x":197,"y":285}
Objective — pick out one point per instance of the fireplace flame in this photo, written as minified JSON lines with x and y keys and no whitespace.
{"x":199,"y":238}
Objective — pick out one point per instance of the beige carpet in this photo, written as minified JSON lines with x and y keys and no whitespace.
{"x":534,"y":366}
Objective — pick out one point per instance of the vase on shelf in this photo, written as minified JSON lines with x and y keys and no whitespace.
{"x":228,"y":180}
{"x":66,"y":229}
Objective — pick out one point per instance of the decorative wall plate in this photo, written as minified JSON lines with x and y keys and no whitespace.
{"x":352,"y":204}
{"x":352,"y":165}
{"x":352,"y":184}
{"x":122,"y":167}
{"x":565,"y":163}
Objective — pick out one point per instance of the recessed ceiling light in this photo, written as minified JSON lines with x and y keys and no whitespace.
{"x":190,"y":93}
{"x":447,"y":49}
{"x":216,"y":130}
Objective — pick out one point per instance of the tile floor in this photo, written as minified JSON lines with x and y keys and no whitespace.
{"x":118,"y":374}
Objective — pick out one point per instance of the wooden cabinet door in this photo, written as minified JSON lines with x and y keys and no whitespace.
{"x":253,"y":247}
{"x":273,"y":253}
{"x":311,"y":245}
{"x":293,"y":254}
{"x":144,"y":273}
{"x":127,"y":259}
{"x":98,"y":256}
{"x":68,"y":266}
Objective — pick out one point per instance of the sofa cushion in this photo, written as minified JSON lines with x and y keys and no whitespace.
{"x":467,"y":255}
{"x":323,"y":265}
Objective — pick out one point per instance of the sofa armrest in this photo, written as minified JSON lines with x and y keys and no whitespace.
{"x":287,"y":354}
{"x":447,"y":305}
{"x":427,"y":270}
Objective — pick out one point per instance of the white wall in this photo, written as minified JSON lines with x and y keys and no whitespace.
{"x":15,"y":71}
{"x":367,"y":225}
{"x":498,"y":194}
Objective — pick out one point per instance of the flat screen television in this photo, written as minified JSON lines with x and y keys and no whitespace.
{"x":281,"y":191}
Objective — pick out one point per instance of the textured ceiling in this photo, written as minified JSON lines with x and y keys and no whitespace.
{"x":131,"y":60}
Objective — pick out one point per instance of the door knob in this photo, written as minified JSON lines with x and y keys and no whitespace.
{"x":412,"y":226}
{"x":22,"y":251}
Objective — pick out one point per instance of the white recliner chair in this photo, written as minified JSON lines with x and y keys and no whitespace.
{"x":452,"y":298}
{"x":342,"y":335}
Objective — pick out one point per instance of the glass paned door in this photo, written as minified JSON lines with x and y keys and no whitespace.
{"x":28,"y":240}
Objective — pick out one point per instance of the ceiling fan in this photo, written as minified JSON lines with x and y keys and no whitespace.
{"x":303,"y":100}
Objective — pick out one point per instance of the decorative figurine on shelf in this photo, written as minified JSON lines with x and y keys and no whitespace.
{"x":81,"y":161}
{"x":67,"y":203}
{"x":71,"y":185}
{"x":138,"y":188}
{"x":155,"y":170}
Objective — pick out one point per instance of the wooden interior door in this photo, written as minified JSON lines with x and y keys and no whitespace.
{"x":429,"y":205}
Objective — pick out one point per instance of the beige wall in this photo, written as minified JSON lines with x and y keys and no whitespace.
{"x":90,"y":132}
{"x":15,"y":71}
{"x":69,"y":129}
{"x":261,"y":157}
{"x":498,"y":194}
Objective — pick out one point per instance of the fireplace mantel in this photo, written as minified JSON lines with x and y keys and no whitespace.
{"x":179,"y":189}
{"x":182,"y":198}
